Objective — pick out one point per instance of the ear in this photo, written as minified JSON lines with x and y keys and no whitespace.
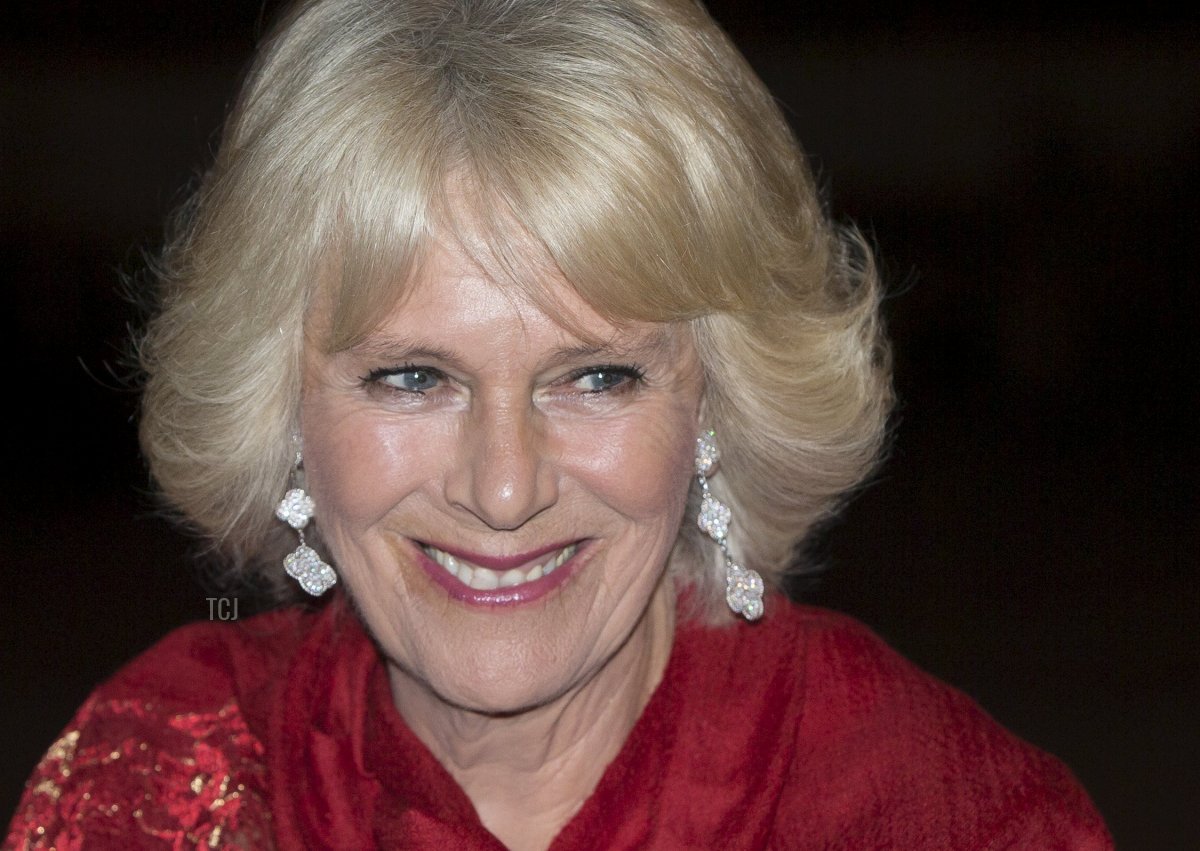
{"x":703,"y":418}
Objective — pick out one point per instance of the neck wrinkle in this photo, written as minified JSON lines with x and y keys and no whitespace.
{"x":538,"y":767}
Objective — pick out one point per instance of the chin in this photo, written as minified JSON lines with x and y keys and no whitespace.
{"x":497,"y":692}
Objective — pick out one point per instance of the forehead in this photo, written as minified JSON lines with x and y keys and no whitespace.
{"x":452,"y":300}
{"x":371,"y":262}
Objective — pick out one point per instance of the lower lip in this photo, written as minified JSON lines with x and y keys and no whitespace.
{"x":513,"y":595}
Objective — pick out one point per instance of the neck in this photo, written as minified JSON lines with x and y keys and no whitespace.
{"x":528,"y":773}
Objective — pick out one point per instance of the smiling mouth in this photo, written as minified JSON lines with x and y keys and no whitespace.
{"x":485,"y":579}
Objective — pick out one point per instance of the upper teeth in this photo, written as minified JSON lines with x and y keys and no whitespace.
{"x":483,"y":579}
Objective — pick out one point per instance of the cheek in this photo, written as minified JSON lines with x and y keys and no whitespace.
{"x":640,"y":466}
{"x":359,"y":466}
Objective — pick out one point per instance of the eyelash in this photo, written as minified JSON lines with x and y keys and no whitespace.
{"x":632,"y":374}
{"x":378,"y":377}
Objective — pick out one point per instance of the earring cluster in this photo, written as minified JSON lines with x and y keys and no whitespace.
{"x":743,"y":587}
{"x":303,"y":564}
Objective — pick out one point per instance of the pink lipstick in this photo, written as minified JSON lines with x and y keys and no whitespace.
{"x":486,"y":580}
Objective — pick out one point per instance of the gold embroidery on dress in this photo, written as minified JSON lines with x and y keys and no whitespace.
{"x":48,"y":787}
{"x":63,"y":750}
{"x":194,"y":777}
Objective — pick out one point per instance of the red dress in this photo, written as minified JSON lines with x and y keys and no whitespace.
{"x":802,"y":731}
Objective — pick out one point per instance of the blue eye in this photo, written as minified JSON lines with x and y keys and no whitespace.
{"x":603,"y":379}
{"x":409,"y":379}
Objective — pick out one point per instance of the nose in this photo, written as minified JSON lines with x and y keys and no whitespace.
{"x":502,"y":474}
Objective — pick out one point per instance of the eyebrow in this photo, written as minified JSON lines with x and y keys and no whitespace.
{"x":399,"y":349}
{"x":388,"y":348}
{"x":618,"y":349}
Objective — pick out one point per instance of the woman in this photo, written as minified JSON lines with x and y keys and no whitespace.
{"x":516,"y":331}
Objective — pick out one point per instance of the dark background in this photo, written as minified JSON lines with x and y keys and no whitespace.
{"x":1030,"y":178}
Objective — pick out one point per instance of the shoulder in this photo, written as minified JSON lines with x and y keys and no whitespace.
{"x":879,"y":752}
{"x":883,"y":736}
{"x":203,"y":663}
{"x":166,"y":751}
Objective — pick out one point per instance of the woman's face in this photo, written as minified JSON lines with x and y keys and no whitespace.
{"x":499,"y":495}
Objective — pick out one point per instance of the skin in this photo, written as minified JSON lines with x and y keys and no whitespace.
{"x":470,"y":418}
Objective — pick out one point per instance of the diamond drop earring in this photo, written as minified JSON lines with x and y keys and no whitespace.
{"x":743,"y":588}
{"x":296,"y":509}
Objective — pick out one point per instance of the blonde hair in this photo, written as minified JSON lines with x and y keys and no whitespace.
{"x":628,"y":140}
